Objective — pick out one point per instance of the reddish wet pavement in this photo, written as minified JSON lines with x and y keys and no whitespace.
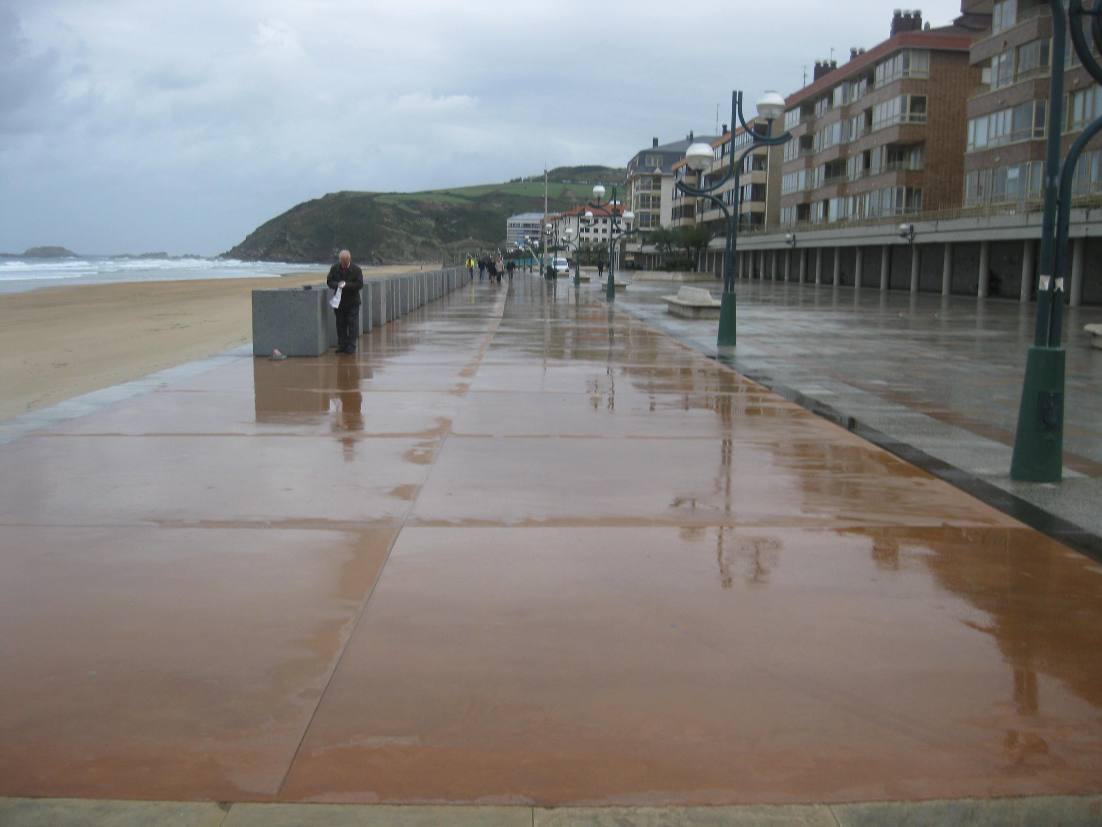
{"x":520,"y":550}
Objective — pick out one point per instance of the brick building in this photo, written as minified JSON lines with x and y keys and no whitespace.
{"x":882,"y":135}
{"x":1008,"y":114}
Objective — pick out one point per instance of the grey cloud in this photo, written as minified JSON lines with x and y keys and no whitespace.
{"x":181,"y":126}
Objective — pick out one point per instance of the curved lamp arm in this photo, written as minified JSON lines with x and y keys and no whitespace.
{"x":1079,"y":38}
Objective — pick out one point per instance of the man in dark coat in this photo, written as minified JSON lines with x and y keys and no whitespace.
{"x":350,"y":279}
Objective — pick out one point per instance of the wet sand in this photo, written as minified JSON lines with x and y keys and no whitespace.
{"x":60,"y":342}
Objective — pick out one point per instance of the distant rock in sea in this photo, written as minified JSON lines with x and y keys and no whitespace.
{"x":48,"y":252}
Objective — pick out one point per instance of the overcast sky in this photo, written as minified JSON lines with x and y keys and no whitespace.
{"x":141,"y":125}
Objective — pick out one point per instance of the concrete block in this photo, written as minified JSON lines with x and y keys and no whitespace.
{"x":378,"y":303}
{"x":292,"y":320}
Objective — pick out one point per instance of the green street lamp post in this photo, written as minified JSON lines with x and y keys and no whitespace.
{"x":1039,"y":439}
{"x":699,"y":157}
{"x":616,"y":218}
{"x":572,"y":244}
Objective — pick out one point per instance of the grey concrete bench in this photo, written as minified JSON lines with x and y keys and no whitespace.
{"x":693,"y":303}
{"x":1095,"y":331}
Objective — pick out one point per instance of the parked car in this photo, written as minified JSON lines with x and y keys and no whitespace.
{"x":561,"y":266}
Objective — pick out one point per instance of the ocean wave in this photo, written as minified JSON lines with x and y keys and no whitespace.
{"x":24,"y":274}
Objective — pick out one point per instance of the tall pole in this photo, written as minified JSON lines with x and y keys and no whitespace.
{"x":727,"y":313}
{"x":1039,"y":439}
{"x":610,"y":291}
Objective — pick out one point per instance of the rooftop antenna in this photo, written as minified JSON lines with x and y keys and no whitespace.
{"x":805,"y":76}
{"x":717,"y":119}
{"x":832,"y":54}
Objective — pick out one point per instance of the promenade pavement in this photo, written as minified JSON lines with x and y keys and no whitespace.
{"x":937,"y":379}
{"x":522,"y":550}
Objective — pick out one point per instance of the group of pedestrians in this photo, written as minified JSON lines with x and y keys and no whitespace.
{"x":495,"y":266}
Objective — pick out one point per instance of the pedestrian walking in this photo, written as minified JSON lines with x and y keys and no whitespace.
{"x":511,"y":266}
{"x":600,"y":269}
{"x":481,"y":268}
{"x":470,"y":267}
{"x":348,"y":278}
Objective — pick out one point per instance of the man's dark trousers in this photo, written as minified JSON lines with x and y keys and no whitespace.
{"x":348,"y":325}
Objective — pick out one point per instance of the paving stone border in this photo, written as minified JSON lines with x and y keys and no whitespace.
{"x":1051,"y":811}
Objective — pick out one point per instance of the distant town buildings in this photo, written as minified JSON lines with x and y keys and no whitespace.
{"x":759,"y":182}
{"x":917,"y":164}
{"x":939,"y":129}
{"x":523,"y":227}
{"x":650,"y":181}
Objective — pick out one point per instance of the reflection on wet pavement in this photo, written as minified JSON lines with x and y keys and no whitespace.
{"x":522,"y":549}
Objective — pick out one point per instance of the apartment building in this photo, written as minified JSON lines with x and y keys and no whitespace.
{"x":759,"y":182}
{"x":882,"y":135}
{"x":523,"y":227}
{"x":595,"y":230}
{"x":1008,"y":116}
{"x":650,"y":182}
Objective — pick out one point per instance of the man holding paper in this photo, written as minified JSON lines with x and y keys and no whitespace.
{"x":348,"y":279}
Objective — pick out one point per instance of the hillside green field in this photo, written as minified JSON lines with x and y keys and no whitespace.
{"x":385,"y":228}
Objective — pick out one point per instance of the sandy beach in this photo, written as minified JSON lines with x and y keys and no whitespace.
{"x":60,"y":342}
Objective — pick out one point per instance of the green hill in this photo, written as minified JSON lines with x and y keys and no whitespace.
{"x":386,"y":228}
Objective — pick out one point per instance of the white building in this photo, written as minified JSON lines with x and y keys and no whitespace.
{"x":523,"y":227}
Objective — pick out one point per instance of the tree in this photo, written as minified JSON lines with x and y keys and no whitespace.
{"x":693,"y":239}
{"x":664,"y":240}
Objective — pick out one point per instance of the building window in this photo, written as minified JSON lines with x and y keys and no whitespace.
{"x":909,"y":63}
{"x":1002,"y":69}
{"x":1088,"y":174}
{"x":901,"y":109}
{"x":1017,"y":182}
{"x":1004,"y":15}
{"x":1083,"y":107}
{"x":1032,"y":59}
{"x":791,"y":119}
{"x":1024,"y":122}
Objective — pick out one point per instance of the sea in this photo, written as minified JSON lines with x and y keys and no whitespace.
{"x":19,"y":274}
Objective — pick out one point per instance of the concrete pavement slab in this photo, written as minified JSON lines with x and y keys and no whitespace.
{"x":692,"y":593}
{"x":339,"y":815}
{"x":59,"y":812}
{"x":1051,"y":811}
{"x":685,"y":817}
{"x":170,"y":663}
{"x":680,"y":666}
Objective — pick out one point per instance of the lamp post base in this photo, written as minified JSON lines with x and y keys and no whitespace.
{"x":610,"y":290}
{"x":726,"y":336}
{"x":1039,"y":441}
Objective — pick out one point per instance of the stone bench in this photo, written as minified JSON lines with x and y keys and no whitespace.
{"x":1095,"y":331}
{"x":693,"y":303}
